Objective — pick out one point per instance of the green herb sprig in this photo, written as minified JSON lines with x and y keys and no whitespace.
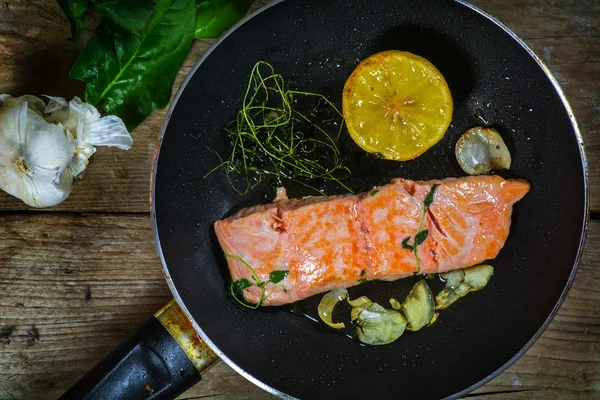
{"x":422,"y":234}
{"x":236,"y":287}
{"x":272,"y":137}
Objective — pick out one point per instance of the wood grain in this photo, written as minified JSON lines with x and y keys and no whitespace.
{"x":35,"y":58}
{"x":72,"y":286}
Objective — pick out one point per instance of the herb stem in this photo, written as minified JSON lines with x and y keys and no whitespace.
{"x":271,"y":137}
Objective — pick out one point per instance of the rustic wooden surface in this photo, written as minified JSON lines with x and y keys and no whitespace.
{"x":75,"y":280}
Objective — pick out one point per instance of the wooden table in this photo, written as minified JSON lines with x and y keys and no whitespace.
{"x":76,"y":279}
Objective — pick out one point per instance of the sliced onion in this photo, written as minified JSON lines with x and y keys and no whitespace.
{"x":327,"y":304}
{"x":479,"y":150}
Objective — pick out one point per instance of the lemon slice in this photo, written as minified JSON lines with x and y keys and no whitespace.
{"x":397,"y":104}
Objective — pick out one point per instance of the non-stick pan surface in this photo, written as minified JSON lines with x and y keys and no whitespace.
{"x":495,"y":81}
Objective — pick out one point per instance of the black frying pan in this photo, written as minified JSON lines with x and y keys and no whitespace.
{"x":495,"y":80}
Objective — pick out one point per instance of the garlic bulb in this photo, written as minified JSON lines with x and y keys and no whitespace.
{"x":34,"y":155}
{"x":43,"y":147}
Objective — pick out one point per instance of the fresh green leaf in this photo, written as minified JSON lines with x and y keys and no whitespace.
{"x":429,"y":199}
{"x":129,"y":75}
{"x":236,"y":289}
{"x":407,"y":246}
{"x":420,"y":237}
{"x":240,"y":285}
{"x":278,"y":276}
{"x":136,"y":16}
{"x":363,"y":272}
{"x":75,"y":11}
{"x":213,"y":17}
{"x":374,"y":192}
{"x":362,"y":280}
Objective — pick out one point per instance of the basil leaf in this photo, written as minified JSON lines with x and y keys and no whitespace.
{"x":420,"y":237}
{"x":213,"y":17}
{"x":429,"y":199}
{"x":75,"y":11}
{"x":374,"y":192}
{"x":278,"y":276}
{"x":129,"y":75}
{"x":405,"y":244}
{"x":136,"y":16}
{"x":239,"y":286}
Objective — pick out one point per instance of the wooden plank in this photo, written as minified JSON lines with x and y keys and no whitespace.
{"x":35,"y":58}
{"x":73,"y":286}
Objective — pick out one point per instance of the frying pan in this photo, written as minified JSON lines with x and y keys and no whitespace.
{"x":495,"y":80}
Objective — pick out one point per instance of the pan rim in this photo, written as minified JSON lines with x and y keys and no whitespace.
{"x":498,"y":371}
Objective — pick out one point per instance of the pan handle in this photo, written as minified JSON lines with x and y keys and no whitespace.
{"x":160,"y":360}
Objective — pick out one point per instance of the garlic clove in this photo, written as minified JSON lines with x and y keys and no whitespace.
{"x":47,"y":188}
{"x":34,"y":103}
{"x":56,"y":104}
{"x":70,"y":114}
{"x":82,"y":158}
{"x":47,"y":146}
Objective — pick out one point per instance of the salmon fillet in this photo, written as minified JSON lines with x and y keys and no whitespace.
{"x":331,"y":242}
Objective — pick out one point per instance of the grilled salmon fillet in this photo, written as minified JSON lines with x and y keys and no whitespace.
{"x":330,"y":242}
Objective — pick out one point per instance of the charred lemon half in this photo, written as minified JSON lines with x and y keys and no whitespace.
{"x":397,"y":104}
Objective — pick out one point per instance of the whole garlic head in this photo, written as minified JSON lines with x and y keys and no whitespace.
{"x":34,"y":155}
{"x":43,"y":147}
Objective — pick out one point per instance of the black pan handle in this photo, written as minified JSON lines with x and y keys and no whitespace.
{"x":162,"y":359}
